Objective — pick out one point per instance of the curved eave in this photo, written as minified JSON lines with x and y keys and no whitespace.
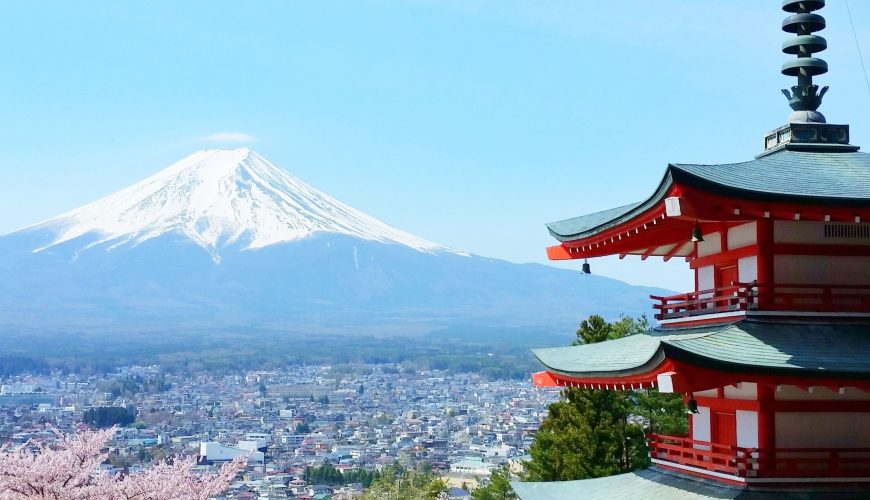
{"x":578,"y":227}
{"x":787,"y":350}
{"x":643,"y":368}
{"x":788,"y":177}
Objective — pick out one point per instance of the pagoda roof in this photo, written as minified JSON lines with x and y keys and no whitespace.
{"x":805,"y":177}
{"x":782,"y":346}
{"x":654,"y":483}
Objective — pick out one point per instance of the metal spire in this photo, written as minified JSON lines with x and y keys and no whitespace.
{"x":806,"y":129}
{"x":804,"y":97}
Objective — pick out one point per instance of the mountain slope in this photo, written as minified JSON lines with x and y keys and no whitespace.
{"x":226,"y":240}
{"x":218,"y":198}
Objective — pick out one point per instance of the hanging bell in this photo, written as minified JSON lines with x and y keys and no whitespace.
{"x":692,"y":406}
{"x":586,"y":269}
{"x":696,"y":234}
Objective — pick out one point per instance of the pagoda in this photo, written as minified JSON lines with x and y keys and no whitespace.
{"x":771,"y":350}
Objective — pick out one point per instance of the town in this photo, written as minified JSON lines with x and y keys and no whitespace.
{"x":287,"y":423}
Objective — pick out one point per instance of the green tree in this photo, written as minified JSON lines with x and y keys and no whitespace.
{"x":664,"y":413}
{"x":396,"y":483}
{"x":498,"y":488}
{"x":103,"y":417}
{"x":592,"y":433}
{"x":595,"y":329}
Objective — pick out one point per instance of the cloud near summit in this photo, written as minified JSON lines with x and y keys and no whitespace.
{"x":228,"y":137}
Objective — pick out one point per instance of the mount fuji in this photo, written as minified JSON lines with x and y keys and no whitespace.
{"x":224,"y":239}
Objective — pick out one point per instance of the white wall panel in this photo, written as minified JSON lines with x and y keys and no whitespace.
{"x":706,"y":278}
{"x":742,"y":236}
{"x":821,"y":269}
{"x":747,"y":428}
{"x":746,"y":390}
{"x":747,"y":269}
{"x":809,"y":232}
{"x":712,"y":244}
{"x":822,"y":430}
{"x":792,"y":393}
{"x":701,"y":424}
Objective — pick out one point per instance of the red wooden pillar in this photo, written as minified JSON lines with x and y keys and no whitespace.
{"x":766,"y":425}
{"x":764,"y":236}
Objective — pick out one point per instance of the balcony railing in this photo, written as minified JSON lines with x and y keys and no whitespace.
{"x":711,"y":457}
{"x":775,"y":464}
{"x":813,"y":462}
{"x":762,"y":297}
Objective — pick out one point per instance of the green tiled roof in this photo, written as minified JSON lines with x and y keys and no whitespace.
{"x":787,"y":346}
{"x":654,"y":484}
{"x":839,"y":348}
{"x":797,"y":176}
{"x":582,"y":224}
{"x":636,"y":486}
{"x":624,"y":356}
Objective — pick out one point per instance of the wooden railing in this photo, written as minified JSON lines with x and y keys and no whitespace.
{"x":705,"y":455}
{"x":812,"y":462}
{"x":736,"y":297}
{"x":780,"y":463}
{"x":819,"y":298}
{"x":762,"y":297}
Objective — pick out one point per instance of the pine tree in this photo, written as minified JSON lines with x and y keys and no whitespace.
{"x":590,"y":433}
{"x":499,"y":487}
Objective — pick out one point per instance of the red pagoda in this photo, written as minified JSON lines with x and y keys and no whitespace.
{"x":772,"y":349}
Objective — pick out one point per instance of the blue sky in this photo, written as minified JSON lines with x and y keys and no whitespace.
{"x":467,"y":123}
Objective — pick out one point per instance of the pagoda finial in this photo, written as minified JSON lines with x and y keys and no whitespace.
{"x":805,"y":97}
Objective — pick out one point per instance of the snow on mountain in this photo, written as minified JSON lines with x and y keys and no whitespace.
{"x":222,"y":197}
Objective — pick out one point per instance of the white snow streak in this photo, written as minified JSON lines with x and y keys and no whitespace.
{"x":220,"y":197}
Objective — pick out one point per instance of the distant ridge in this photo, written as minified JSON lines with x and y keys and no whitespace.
{"x":225,"y":240}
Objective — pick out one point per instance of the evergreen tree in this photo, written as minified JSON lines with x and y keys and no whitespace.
{"x":498,"y":488}
{"x":590,"y":433}
{"x":397,"y":483}
{"x":103,"y":417}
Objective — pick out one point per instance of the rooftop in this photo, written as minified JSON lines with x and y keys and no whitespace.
{"x":778,"y":346}
{"x":654,"y":484}
{"x":804,"y":177}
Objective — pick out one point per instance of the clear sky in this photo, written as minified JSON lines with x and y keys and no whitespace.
{"x":469,"y":123}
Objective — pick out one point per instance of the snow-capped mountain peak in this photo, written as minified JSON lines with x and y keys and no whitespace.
{"x":220,"y":197}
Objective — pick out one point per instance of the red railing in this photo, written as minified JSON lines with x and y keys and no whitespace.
{"x":818,"y":298}
{"x":736,"y":297}
{"x":813,"y":462}
{"x":705,"y":455}
{"x":754,"y":296}
{"x":782,"y":463}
